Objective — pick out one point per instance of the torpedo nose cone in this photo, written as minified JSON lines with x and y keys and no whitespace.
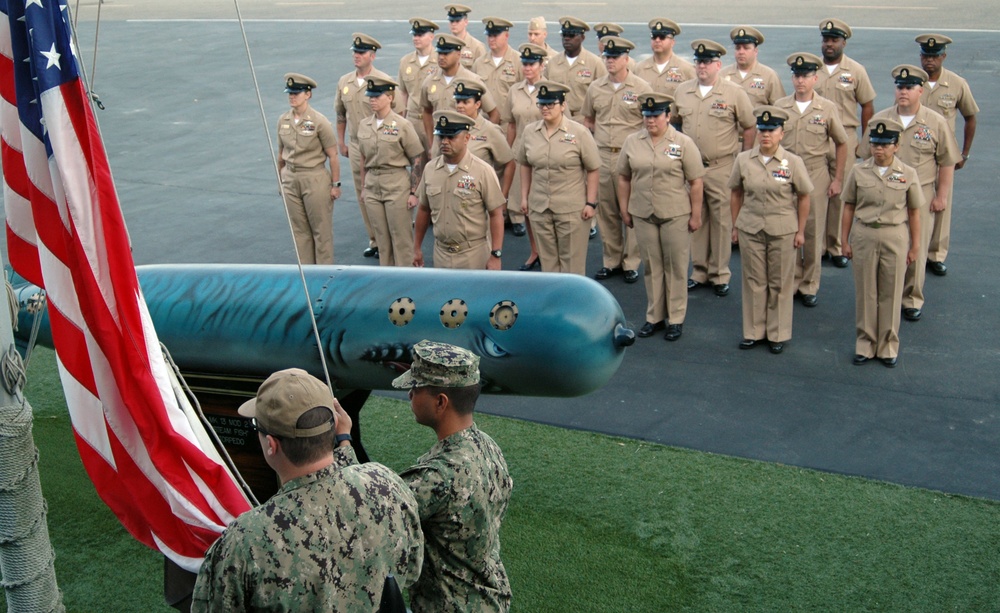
{"x":624,"y":336}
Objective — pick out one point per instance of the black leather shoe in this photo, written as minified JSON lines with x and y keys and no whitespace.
{"x":674,"y":332}
{"x":593,"y":233}
{"x":937,"y":268}
{"x":839,"y":261}
{"x":606,"y":272}
{"x":721,"y":289}
{"x":809,"y":300}
{"x":371,"y":252}
{"x":518,"y":229}
{"x":692,"y":284}
{"x":649,"y":329}
{"x":749,"y":343}
{"x":531,"y":264}
{"x":912,"y":314}
{"x":859,"y":359}
{"x":631,"y":276}
{"x":889,"y":362}
{"x":777,"y":348}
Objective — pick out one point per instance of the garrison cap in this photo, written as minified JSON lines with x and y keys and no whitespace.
{"x":933,"y":44}
{"x":531,"y":53}
{"x":495,"y":25}
{"x":573,"y":26}
{"x":446,"y":43}
{"x":615,"y":46}
{"x":607,"y":29}
{"x":884,"y":130}
{"x":283,"y":398}
{"x":769,"y":117}
{"x":440,"y":364}
{"x":449,"y":123}
{"x":909,"y":75}
{"x":746,"y":34}
{"x":467,"y":88}
{"x":457,"y":12}
{"x":537,"y":24}
{"x":655,"y":103}
{"x":705,"y":49}
{"x":363,"y":42}
{"x":803,"y":62}
{"x":550,"y":91}
{"x":662,"y":25}
{"x":295,"y":83}
{"x":419,"y":25}
{"x":379,"y":85}
{"x":835,"y":27}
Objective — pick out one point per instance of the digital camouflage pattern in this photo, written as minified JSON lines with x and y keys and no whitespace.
{"x":440,"y":365}
{"x":462,"y":488}
{"x":324,"y":542}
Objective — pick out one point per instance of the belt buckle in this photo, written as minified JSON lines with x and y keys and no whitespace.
{"x":453,"y":248}
{"x":875,"y":225}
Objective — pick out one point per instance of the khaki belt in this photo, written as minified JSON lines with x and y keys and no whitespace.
{"x":717,"y":161}
{"x":458,"y":247}
{"x":612,"y":149}
{"x":301,"y":168}
{"x":876,"y":224}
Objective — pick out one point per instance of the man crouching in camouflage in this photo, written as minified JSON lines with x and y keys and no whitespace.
{"x":334,"y":531}
{"x":461,"y":484}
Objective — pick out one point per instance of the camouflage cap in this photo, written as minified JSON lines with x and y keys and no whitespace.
{"x":282,"y":399}
{"x":440,"y":365}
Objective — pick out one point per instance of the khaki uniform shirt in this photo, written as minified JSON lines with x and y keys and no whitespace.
{"x":926,"y":144}
{"x":352,"y":103}
{"x":950,"y":94}
{"x":881,"y":198}
{"x":460,"y":200}
{"x":522,"y":108}
{"x":770,"y":191}
{"x":761,"y":83}
{"x":848,"y":87}
{"x":499,"y":78}
{"x":559,"y":165}
{"x":411,"y":76}
{"x":473,"y":49}
{"x":392,"y":145}
{"x":714,"y":122}
{"x":303,"y":146}
{"x":674,"y":73}
{"x":487,"y":142}
{"x":617,"y":112}
{"x":439,"y":94}
{"x":808,"y":134}
{"x":660,"y":173}
{"x":585,"y":70}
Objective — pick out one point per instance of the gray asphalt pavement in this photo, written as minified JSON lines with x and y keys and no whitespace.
{"x":191,"y":159}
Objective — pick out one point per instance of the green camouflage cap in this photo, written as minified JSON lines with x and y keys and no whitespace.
{"x":440,"y":365}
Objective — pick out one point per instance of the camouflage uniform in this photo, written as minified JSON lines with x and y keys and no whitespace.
{"x":324,"y":542}
{"x":462,"y":488}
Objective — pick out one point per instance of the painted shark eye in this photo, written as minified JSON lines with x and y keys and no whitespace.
{"x":453,"y":313}
{"x":401,"y":311}
{"x":491,"y":348}
{"x":503,"y":315}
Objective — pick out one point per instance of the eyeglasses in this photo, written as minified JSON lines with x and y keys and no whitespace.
{"x":546,"y":105}
{"x":256,"y":426}
{"x":704,"y":61}
{"x":660,"y":36}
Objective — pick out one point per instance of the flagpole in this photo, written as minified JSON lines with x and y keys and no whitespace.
{"x":26,"y":555}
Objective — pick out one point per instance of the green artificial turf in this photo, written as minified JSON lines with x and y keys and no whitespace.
{"x":605,"y":524}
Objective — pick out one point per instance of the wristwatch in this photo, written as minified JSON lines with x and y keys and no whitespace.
{"x":496,"y":253}
{"x":334,"y":183}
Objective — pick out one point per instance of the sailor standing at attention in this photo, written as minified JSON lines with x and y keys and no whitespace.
{"x":305,"y":142}
{"x":414,"y":67}
{"x":458,"y":23}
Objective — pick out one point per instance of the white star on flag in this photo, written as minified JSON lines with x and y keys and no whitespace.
{"x":53,"y":56}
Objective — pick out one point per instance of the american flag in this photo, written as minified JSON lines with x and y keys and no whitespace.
{"x":66,"y":233}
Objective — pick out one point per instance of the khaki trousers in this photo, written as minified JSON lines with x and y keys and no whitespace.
{"x":879,"y":267}
{"x":665,"y":247}
{"x":618,"y":243}
{"x":562,"y":241}
{"x":808,"y":260}
{"x":386,"y":192}
{"x":470,"y":256}
{"x":514,"y":201}
{"x":937,"y":251}
{"x":354,"y":154}
{"x":836,"y":208}
{"x":711,"y":245}
{"x":768,"y":264}
{"x":916,"y":273}
{"x":310,"y":212}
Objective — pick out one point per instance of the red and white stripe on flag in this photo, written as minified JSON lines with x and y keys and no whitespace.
{"x":66,"y":233}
